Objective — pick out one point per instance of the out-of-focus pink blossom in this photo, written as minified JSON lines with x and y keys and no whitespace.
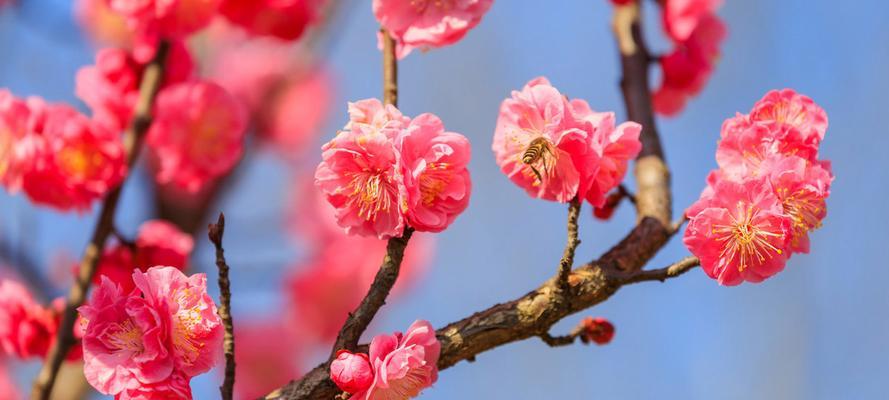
{"x":434,"y":164}
{"x":149,"y":343}
{"x":614,"y":148}
{"x":198,"y":134}
{"x":688,"y":67}
{"x":284,"y":19}
{"x":26,"y":328}
{"x":741,"y":232}
{"x":351,"y":372}
{"x":403,"y":365}
{"x":157,"y":243}
{"x":263,"y":364}
{"x":298,"y":112}
{"x":539,"y":146}
{"x":429,"y":23}
{"x":361,"y":177}
{"x":80,"y":162}
{"x":168,"y":18}
{"x":682,"y":17}
{"x":104,"y":25}
{"x":19,"y":143}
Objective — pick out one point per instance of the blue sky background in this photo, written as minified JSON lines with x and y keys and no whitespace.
{"x":819,"y":330}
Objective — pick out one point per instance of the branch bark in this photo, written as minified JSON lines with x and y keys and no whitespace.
{"x":150,"y":84}
{"x":571,"y":245}
{"x":533,"y":314}
{"x":215,"y":233}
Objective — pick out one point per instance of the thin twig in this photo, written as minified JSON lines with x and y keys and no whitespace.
{"x":215,"y":233}
{"x":678,"y":268}
{"x":558,"y":341}
{"x":151,"y":81}
{"x":570,"y":246}
{"x":390,"y":70}
{"x":626,"y":193}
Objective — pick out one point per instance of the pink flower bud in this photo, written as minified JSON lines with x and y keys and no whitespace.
{"x":598,"y":330}
{"x":351,"y":371}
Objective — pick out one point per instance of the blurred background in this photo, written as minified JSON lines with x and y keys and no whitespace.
{"x":819,"y":330}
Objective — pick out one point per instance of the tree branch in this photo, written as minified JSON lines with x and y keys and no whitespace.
{"x":150,"y":84}
{"x":673,"y":270}
{"x":215,"y":233}
{"x":567,"y":260}
{"x":533,"y":314}
{"x":390,"y":69}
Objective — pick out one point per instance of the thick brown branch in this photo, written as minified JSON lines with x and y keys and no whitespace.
{"x":533,"y":314}
{"x":678,"y":268}
{"x":567,"y":260}
{"x":215,"y":233}
{"x":151,"y":81}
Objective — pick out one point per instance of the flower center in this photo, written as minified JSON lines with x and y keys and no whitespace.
{"x":187,"y":318}
{"x":804,"y":208}
{"x":784,"y":112}
{"x":126,"y":336}
{"x":369,"y":194}
{"x":433,"y":181}
{"x":744,"y":240}
{"x":80,"y":161}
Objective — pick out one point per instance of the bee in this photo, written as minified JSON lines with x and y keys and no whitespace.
{"x":537,"y":150}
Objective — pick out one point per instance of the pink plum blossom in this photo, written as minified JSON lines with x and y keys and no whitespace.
{"x":434,"y":166}
{"x":539,"y":146}
{"x":681,"y":17}
{"x":787,"y":108}
{"x":429,"y":23}
{"x":403,"y":365}
{"x":741,"y":232}
{"x":373,"y":115}
{"x":78,"y":163}
{"x":614,"y":148}
{"x":361,"y":177}
{"x":263,"y":364}
{"x":351,"y":372}
{"x":168,"y":18}
{"x":104,"y":25}
{"x":26,"y":328}
{"x":803,"y":188}
{"x":284,"y":19}
{"x":298,"y":112}
{"x":197,"y":135}
{"x":688,"y":67}
{"x":19,"y":143}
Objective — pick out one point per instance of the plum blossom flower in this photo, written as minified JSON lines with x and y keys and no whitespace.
{"x":614,"y":148}
{"x":150,"y":342}
{"x":157,"y":243}
{"x":18,"y":141}
{"x":298,"y":112}
{"x":741,"y":232}
{"x":429,"y":23}
{"x":197,"y":135}
{"x":688,"y":67}
{"x":79,"y":163}
{"x":403,"y":365}
{"x":788,"y":109}
{"x":538,"y":145}
{"x":434,"y":166}
{"x":373,"y":115}
{"x":682,"y":17}
{"x":351,"y":372}
{"x":27,"y":329}
{"x":803,"y":188}
{"x":104,"y":25}
{"x":168,"y":18}
{"x":263,"y":364}
{"x":283,"y":19}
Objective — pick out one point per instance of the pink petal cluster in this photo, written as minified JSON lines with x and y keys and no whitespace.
{"x":150,"y":342}
{"x":26,"y":328}
{"x":283,"y":19}
{"x":769,"y":192}
{"x":104,"y":25}
{"x":556,"y":149}
{"x":428,"y":23}
{"x":697,"y":33}
{"x":167,"y":18}
{"x":197,"y":135}
{"x":157,"y":243}
{"x":399,"y":366}
{"x":385,"y":170}
{"x":339,"y":269}
{"x":111,"y":87}
{"x":59,"y":157}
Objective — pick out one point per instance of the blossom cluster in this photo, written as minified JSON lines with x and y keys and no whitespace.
{"x":769,"y":192}
{"x":384,"y":171}
{"x":150,"y":342}
{"x":398,"y":366}
{"x":57,"y":156}
{"x":697,"y":33}
{"x":27,"y":328}
{"x":282,"y":19}
{"x":428,"y":23}
{"x":558,"y":149}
